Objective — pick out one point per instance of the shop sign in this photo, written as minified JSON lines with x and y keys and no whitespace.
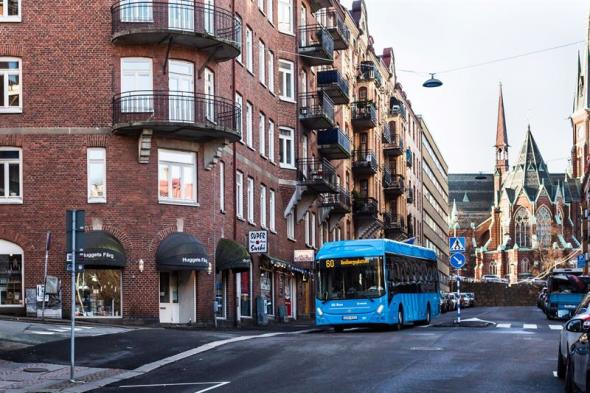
{"x":303,"y":256}
{"x":257,"y":241}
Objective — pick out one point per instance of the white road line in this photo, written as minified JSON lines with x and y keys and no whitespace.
{"x":529,"y":326}
{"x":504,"y":325}
{"x":157,"y":385}
{"x":555,"y":327}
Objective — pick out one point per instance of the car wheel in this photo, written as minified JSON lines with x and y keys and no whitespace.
{"x":569,"y":377}
{"x":560,"y":364}
{"x":400,"y":319}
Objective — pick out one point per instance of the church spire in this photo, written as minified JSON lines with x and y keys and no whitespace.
{"x":501,"y":146}
{"x":501,"y":132}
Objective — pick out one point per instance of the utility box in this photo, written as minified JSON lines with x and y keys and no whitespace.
{"x":282,"y":311}
{"x":261,"y":317}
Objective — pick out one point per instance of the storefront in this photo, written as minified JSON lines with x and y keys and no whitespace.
{"x":232,"y":256}
{"x":179,"y":257}
{"x":280,"y":281}
{"x":11,"y":276}
{"x":99,"y":286}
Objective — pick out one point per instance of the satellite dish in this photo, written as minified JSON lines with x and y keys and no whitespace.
{"x":432,"y":82}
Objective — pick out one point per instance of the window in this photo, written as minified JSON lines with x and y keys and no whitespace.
{"x":494,"y":268}
{"x":285,"y":16}
{"x":99,"y":292}
{"x":271,"y":72}
{"x":262,"y":134}
{"x":222,"y":186}
{"x":544,"y":227}
{"x":240,"y":38}
{"x":271,"y":207}
{"x":286,"y":147}
{"x":134,"y":12}
{"x":11,"y":175}
{"x":263,"y":206}
{"x":209,"y":85}
{"x":291,"y":226}
{"x":522,"y":228}
{"x":244,"y":289}
{"x":177,"y":176}
{"x":287,"y":86}
{"x":312,"y":228}
{"x":136,"y":76}
{"x":10,"y":11}
{"x":249,"y":140}
{"x":240,"y":195}
{"x":271,"y":141}
{"x":525,"y":265}
{"x":250,"y":192}
{"x":11,"y":275}
{"x":307,"y":232}
{"x":97,"y":174}
{"x":240,"y":119}
{"x":261,"y":5}
{"x":249,"y":50}
{"x":269,"y":10}
{"x":267,"y":289}
{"x":262,"y":62}
{"x":10,"y":84}
{"x":221,"y":295}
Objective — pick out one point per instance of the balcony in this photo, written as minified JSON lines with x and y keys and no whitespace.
{"x":393,"y":145}
{"x":197,"y":117}
{"x":193,"y":25}
{"x":318,"y":175}
{"x":394,"y":225}
{"x":334,"y":23}
{"x":317,"y":5}
{"x":365,"y":207}
{"x":316,"y":45}
{"x":339,"y":203}
{"x":397,"y":108}
{"x":364,"y":162}
{"x":333,"y":144}
{"x":316,"y":111}
{"x":368,"y":72}
{"x":392,"y":184}
{"x":334,"y":85}
{"x":364,"y":115}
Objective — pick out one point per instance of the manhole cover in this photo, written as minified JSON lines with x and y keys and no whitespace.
{"x":425,"y":349}
{"x":35,"y":370}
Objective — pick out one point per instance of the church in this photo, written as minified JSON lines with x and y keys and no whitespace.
{"x":520,"y":220}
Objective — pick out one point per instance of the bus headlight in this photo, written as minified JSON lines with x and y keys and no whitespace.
{"x":380,"y":309}
{"x":319,"y":311}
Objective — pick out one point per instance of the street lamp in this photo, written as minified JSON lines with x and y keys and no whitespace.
{"x":432,"y":82}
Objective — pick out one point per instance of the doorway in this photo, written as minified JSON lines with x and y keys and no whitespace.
{"x":181,"y":15}
{"x":181,"y":85}
{"x":177,"y":297}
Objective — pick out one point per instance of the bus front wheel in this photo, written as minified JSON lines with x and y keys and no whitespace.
{"x":400,"y":319}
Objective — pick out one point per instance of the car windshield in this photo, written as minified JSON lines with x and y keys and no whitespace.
{"x":350,"y":278}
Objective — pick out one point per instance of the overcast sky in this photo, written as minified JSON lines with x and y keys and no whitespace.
{"x":435,"y":35}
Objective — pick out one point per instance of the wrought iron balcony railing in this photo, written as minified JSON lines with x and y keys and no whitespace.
{"x":392,"y":143}
{"x":365,"y":206}
{"x":333,"y":144}
{"x":179,"y":114}
{"x":364,"y":162}
{"x":316,"y":45}
{"x":339,"y":203}
{"x":195,"y":25}
{"x":364,"y":115}
{"x":368,"y":72}
{"x":316,"y":111}
{"x":317,"y":175}
{"x":334,"y":23}
{"x":334,"y":85}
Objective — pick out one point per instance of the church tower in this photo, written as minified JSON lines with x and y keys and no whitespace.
{"x":502,"y":165}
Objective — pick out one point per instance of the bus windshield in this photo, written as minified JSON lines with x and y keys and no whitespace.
{"x":350,"y":278}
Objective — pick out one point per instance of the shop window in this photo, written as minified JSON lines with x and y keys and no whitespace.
{"x":221,"y":295}
{"x":11,"y":175}
{"x":267,"y":290}
{"x":97,"y":175}
{"x":245,"y":293}
{"x":10,"y":83}
{"x":177,"y":177}
{"x":98,"y":293}
{"x":11,"y":274}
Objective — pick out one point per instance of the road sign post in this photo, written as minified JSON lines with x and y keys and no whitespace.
{"x":457,"y":248}
{"x":75,"y":244}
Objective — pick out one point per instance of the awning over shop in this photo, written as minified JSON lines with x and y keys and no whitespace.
{"x":103,"y":249}
{"x":231,"y":255}
{"x":182,"y":251}
{"x":281,"y":264}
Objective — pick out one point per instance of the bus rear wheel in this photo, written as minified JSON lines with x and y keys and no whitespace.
{"x":428,"y":317}
{"x":400,"y":319}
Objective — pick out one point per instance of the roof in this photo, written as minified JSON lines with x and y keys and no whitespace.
{"x":372,"y":248}
{"x":473,"y":194}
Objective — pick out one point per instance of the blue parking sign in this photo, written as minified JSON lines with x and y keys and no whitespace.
{"x":581,"y":261}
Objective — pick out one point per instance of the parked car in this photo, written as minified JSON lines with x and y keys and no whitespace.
{"x":578,"y":360}
{"x":541,"y":299}
{"x":470,"y":299}
{"x":444,"y":305}
{"x":491,"y":278}
{"x":571,"y":332}
{"x":454,"y":299}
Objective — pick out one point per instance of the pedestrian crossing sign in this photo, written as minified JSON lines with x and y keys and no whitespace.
{"x":457,"y":244}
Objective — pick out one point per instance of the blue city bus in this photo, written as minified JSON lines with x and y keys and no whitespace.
{"x":375,"y":282}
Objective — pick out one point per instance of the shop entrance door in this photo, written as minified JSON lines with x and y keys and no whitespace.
{"x":290,"y":297}
{"x":169,"y":309}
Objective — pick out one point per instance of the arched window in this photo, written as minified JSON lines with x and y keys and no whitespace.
{"x":543,"y":218}
{"x":560,"y":218}
{"x":522,"y":228}
{"x":494,"y":268}
{"x":525,"y":265}
{"x":11,"y":271}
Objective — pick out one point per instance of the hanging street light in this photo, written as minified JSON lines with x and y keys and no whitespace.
{"x":432,"y":82}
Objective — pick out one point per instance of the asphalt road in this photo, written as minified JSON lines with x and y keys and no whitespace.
{"x":519,"y":355}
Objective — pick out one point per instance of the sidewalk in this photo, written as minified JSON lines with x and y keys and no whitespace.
{"x":103,"y":353}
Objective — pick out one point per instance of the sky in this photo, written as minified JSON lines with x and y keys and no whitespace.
{"x":437,"y":35}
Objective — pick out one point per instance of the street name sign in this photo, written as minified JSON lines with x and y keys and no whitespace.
{"x":457,"y":244}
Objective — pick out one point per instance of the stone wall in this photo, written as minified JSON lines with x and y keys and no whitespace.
{"x":500,"y":295}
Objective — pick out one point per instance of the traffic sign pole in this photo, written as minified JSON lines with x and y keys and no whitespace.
{"x":73,"y":311}
{"x":457,"y":248}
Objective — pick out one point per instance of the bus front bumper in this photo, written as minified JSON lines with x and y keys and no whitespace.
{"x":350,"y":319}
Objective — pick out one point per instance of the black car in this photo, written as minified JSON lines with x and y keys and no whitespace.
{"x":577,"y":370}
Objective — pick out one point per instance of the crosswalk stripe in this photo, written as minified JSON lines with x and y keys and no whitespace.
{"x":529,"y":326}
{"x":555,"y":327}
{"x":503,"y":325}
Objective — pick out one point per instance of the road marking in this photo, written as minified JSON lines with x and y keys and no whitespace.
{"x":555,"y":374}
{"x":504,"y":325}
{"x":529,"y":326}
{"x":555,"y":327}
{"x":163,"y":385}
